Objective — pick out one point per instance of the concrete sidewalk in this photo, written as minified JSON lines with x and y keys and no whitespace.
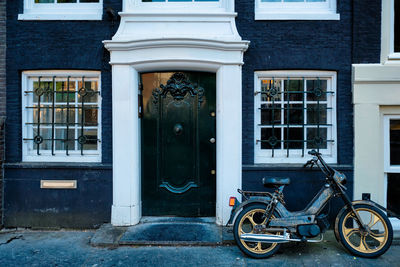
{"x":72,"y":248}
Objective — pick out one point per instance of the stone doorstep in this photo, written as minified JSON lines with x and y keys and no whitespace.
{"x":176,"y":232}
{"x":206,"y":233}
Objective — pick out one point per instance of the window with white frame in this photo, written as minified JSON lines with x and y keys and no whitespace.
{"x":392,"y":165}
{"x":295,"y":112}
{"x":61,"y":116}
{"x":62,"y":10}
{"x":296,"y":10}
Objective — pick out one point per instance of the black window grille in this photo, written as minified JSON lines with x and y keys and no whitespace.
{"x":63,"y":115}
{"x":295,"y":114}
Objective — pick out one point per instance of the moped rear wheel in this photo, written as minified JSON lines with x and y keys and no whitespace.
{"x":372,"y":242}
{"x":246,"y":222}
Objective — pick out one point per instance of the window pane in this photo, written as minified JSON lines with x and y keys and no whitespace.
{"x":316,"y":90}
{"x":45,"y":91}
{"x":45,"y":133}
{"x":90,"y":117}
{"x":272,"y":89}
{"x":293,"y":0}
{"x":66,"y":1}
{"x":273,"y":136}
{"x":44,"y":1}
{"x":271,"y":0}
{"x":91,"y":139}
{"x":393,"y":192}
{"x":394,"y":142}
{"x":89,"y":1}
{"x":315,"y":116}
{"x":295,"y":140}
{"x":396,"y":26}
{"x":91,"y":88}
{"x":315,"y":0}
{"x":45,"y":114}
{"x":294,"y":90}
{"x":62,"y":144}
{"x":61,"y":116}
{"x":316,"y":138}
{"x":270,"y":114}
{"x":295,"y":114}
{"x":62,"y":94}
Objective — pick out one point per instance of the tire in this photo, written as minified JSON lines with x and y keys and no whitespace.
{"x":243,"y":224}
{"x":370,"y":244}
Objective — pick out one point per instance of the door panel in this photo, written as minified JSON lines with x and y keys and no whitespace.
{"x":178,"y":159}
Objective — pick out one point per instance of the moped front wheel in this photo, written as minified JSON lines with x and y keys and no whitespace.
{"x":371,"y":242}
{"x":246,"y":222}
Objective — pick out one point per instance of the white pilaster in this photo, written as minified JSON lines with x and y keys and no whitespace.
{"x":229,"y":138}
{"x":126,"y":153}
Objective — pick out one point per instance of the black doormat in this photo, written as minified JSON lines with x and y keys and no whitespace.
{"x":177,"y":231}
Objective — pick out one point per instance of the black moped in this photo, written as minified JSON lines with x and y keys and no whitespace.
{"x":262,"y":222}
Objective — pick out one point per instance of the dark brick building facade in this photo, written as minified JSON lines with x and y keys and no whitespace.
{"x":326,"y":45}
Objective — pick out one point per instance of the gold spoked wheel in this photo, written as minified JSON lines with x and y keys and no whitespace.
{"x":249,"y":221}
{"x":371,"y":242}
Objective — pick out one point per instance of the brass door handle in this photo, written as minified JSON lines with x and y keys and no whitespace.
{"x":212,"y":140}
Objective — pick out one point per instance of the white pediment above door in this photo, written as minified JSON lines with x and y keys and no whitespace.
{"x":210,"y":20}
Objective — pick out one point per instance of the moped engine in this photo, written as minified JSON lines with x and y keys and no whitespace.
{"x":308,"y":230}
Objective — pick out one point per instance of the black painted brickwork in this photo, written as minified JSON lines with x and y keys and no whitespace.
{"x":367,"y":31}
{"x":2,"y":95}
{"x":49,"y":45}
{"x":298,"y":45}
{"x":27,"y":205}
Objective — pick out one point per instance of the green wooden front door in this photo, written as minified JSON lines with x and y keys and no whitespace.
{"x":178,"y":144}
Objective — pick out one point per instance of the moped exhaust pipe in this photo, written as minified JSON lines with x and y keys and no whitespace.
{"x":265,"y":238}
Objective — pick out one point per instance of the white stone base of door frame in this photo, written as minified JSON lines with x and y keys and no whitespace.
{"x":128,"y":59}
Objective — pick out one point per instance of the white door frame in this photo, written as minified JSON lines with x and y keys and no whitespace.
{"x":167,"y":55}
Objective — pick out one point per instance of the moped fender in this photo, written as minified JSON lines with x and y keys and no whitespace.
{"x":252,"y":200}
{"x":367,"y":202}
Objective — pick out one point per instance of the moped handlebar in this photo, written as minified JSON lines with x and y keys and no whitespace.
{"x":324,"y":166}
{"x":310,"y":162}
{"x":314,"y":153}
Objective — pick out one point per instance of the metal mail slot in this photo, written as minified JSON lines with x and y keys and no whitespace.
{"x":58,"y":184}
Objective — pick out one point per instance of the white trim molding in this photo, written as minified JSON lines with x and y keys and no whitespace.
{"x":61,"y":11}
{"x":168,"y":42}
{"x":296,"y":10}
{"x":138,"y":6}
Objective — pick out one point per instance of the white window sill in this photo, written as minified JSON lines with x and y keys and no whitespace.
{"x":61,"y":158}
{"x":61,"y":16}
{"x":296,"y":16}
{"x":394,"y":56}
{"x":293,"y":160}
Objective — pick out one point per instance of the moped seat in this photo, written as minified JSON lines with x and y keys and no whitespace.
{"x":275,"y":181}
